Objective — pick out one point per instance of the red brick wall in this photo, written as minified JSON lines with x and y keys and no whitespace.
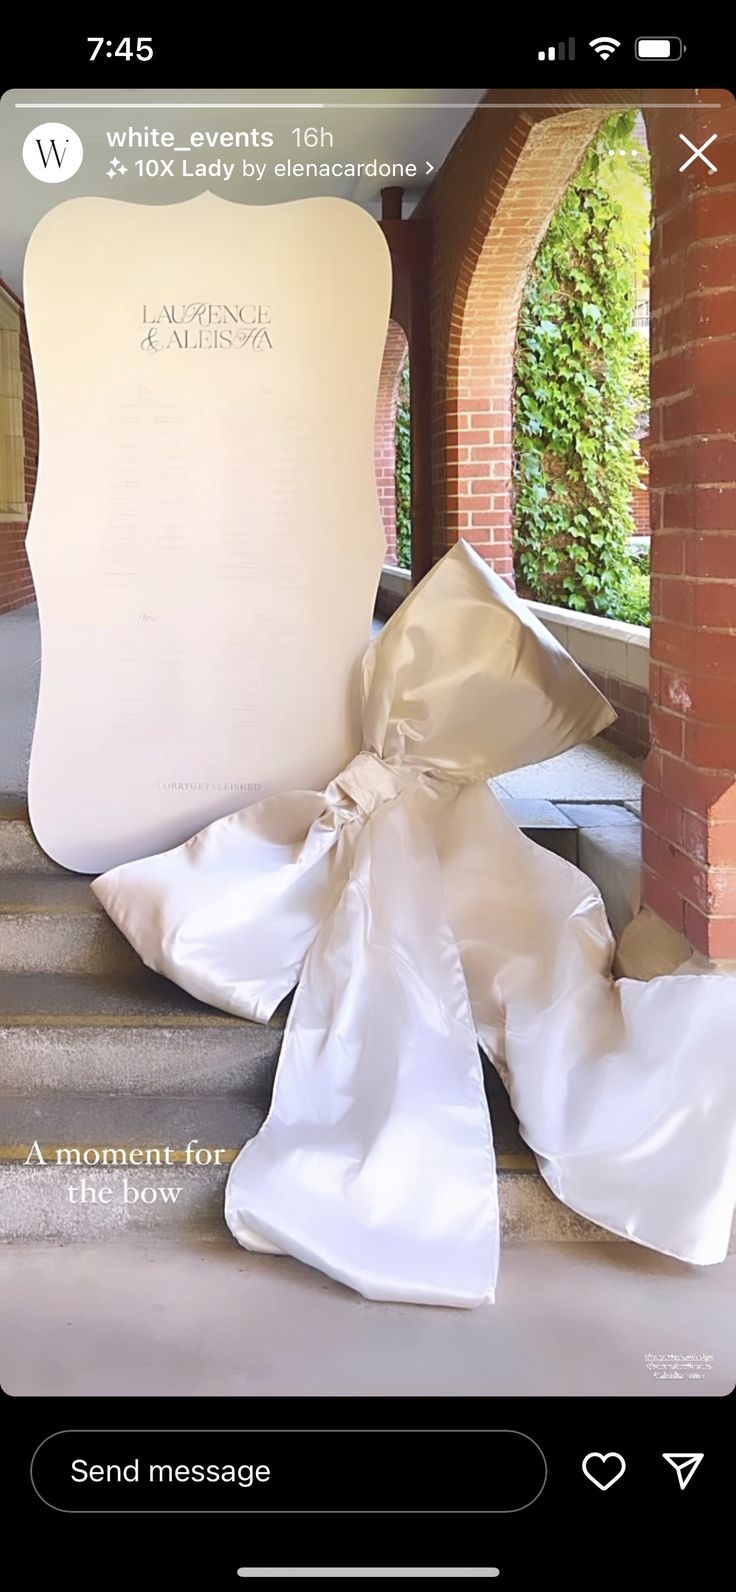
{"x":689,"y":805}
{"x":640,"y":511}
{"x":640,"y":499}
{"x":631,"y":729}
{"x":16,"y":585}
{"x":385,"y":433}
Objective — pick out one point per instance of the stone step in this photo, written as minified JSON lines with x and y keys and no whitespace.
{"x":121,"y":1040}
{"x":610,"y":854}
{"x":97,"y":1052}
{"x":35,"y":1204}
{"x":137,"y":1034}
{"x":187,"y":1144}
{"x":20,"y":852}
{"x":87,"y":1125}
{"x":91,"y":1120}
{"x":52,"y":923}
{"x":102,"y":1129}
{"x":543,"y":822}
{"x":19,"y":848}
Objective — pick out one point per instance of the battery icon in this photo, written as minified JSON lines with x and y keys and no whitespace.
{"x":663,"y":49}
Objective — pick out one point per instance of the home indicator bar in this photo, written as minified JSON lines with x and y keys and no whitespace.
{"x":372,"y":1574}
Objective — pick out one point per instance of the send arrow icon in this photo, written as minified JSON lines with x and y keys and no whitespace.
{"x":685,"y":1465}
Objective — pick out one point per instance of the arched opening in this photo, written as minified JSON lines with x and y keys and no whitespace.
{"x":581,"y":391}
{"x":490,"y":208}
{"x":525,"y":183}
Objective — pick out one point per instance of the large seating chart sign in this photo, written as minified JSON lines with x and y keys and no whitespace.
{"x":206,"y":539}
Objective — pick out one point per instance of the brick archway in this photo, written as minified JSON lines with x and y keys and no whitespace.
{"x":384,"y":447}
{"x":488,"y":208}
{"x":525,"y":183}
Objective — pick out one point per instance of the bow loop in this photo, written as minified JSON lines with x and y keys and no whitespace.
{"x":466,"y":681}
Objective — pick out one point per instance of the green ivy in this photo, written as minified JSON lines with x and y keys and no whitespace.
{"x":632,"y":599}
{"x":403,"y":470}
{"x":581,"y":386}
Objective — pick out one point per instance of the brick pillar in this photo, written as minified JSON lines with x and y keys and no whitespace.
{"x":384,"y":451}
{"x":16,"y":585}
{"x":689,"y":807}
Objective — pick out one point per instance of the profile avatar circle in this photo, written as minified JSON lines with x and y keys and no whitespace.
{"x":53,"y":152}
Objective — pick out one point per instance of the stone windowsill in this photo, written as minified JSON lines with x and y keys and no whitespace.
{"x":608,"y":646}
{"x":395,"y":579}
{"x":605,"y":645}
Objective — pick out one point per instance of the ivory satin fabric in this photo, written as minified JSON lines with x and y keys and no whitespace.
{"x":416,"y":922}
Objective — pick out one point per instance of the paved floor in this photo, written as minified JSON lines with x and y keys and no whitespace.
{"x":209,"y":1319}
{"x":593,"y":773}
{"x":20,"y":669}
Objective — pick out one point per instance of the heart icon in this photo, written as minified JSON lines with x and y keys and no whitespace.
{"x":602,"y":1463}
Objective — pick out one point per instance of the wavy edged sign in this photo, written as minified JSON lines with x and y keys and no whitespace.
{"x":206,"y":539}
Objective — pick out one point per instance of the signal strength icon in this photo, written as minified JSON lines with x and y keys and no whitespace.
{"x":605,"y":47}
{"x":558,"y":52}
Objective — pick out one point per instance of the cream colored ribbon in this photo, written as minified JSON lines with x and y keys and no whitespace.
{"x":417,"y":922}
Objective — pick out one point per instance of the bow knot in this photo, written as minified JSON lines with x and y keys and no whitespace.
{"x":370,"y":780}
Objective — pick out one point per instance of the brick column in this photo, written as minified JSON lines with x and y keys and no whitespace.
{"x":689,"y":806}
{"x":16,"y":585}
{"x":385,"y":433}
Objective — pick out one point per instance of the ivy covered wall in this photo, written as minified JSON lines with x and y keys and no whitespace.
{"x":581,"y":388}
{"x":403,"y":470}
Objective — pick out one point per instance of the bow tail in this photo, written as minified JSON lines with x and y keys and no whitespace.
{"x":231,"y":914}
{"x":626,"y":1091}
{"x":375,"y":1163}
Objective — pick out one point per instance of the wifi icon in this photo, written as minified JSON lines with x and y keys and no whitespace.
{"x":604,"y":47}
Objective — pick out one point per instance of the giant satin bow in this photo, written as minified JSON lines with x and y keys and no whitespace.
{"x":417,"y":921}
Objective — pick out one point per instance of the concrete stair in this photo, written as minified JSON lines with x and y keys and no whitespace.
{"x":35,"y":1205}
{"x":170,"y":1194}
{"x":137,"y":1035}
{"x":52,"y":923}
{"x":20,"y":851}
{"x":97,"y":1053}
